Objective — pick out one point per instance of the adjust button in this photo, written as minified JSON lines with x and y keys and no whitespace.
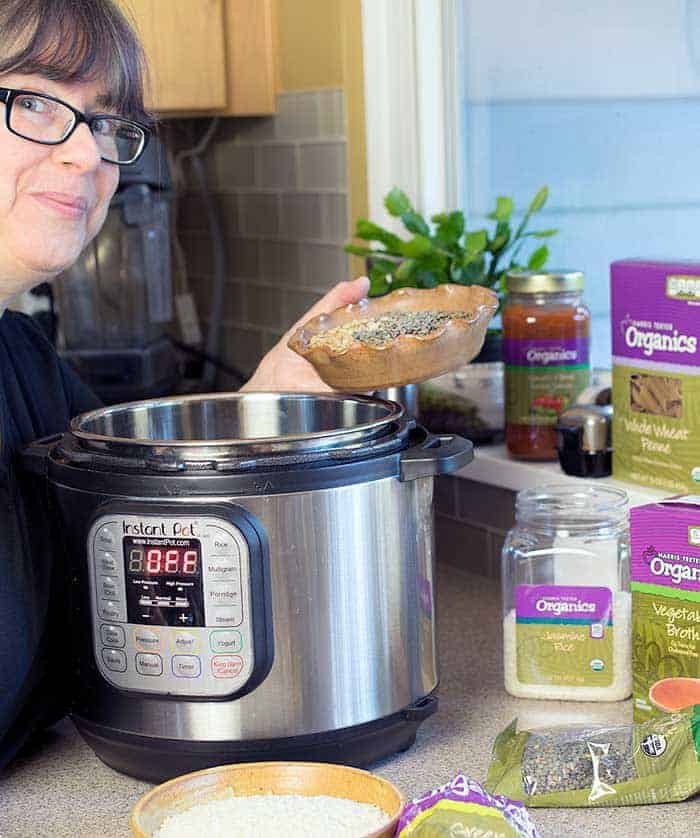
{"x":183,"y":641}
{"x":105,"y":562}
{"x":108,"y":609}
{"x":226,"y":641}
{"x":146,"y":639}
{"x":187,"y":666}
{"x":108,"y":587}
{"x":226,"y":666}
{"x":114,"y":659}
{"x":147,"y":664}
{"x":112,"y":635}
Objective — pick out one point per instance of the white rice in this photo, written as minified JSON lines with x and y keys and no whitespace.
{"x":275,"y":815}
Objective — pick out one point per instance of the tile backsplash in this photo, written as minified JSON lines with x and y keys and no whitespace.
{"x":280,"y":184}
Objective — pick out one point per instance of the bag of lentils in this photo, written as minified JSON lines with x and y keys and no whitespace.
{"x":657,"y":761}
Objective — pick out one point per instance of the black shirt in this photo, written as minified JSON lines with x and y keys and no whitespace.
{"x":39,"y":394}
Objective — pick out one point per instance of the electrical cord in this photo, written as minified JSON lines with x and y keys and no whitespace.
{"x":229,"y":369}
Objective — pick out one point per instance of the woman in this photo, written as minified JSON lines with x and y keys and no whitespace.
{"x":71,"y":112}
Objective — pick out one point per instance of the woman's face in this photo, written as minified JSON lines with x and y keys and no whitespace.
{"x":53,"y":199}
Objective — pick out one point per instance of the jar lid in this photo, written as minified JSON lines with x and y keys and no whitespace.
{"x":559,"y":506}
{"x":544,"y":282}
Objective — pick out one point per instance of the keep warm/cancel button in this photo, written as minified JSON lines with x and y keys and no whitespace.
{"x":226,"y":666}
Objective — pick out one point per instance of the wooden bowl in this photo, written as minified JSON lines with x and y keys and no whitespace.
{"x":408,"y":358}
{"x":245,"y":779}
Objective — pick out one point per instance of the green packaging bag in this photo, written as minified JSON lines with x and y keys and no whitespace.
{"x":657,"y":761}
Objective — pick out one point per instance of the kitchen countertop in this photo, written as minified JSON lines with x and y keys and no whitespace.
{"x":61,"y":789}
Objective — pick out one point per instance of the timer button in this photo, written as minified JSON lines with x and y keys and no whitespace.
{"x":114,"y":659}
{"x":148,"y":664}
{"x":187,"y":666}
{"x":108,"y":609}
{"x":105,"y":562}
{"x":112,"y":635}
{"x":146,"y":640}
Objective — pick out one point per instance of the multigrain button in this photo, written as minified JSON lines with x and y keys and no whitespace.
{"x":146,"y":639}
{"x":224,"y":568}
{"x":226,"y":641}
{"x":112,"y":635}
{"x":147,"y":664}
{"x":187,"y":666}
{"x":108,"y":609}
{"x":226,"y":666}
{"x":106,"y":562}
{"x":114,"y":659}
{"x":183,"y":641}
{"x":108,"y":587}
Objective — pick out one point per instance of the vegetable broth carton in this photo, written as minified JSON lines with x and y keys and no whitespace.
{"x":665,"y":583}
{"x":656,"y":373}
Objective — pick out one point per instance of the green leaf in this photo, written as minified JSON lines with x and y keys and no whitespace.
{"x":369,"y":231}
{"x":417,"y":247}
{"x":450,"y":227}
{"x":498,"y":243}
{"x":427,"y":279}
{"x":543,"y":234}
{"x":361,"y":251}
{"x":476,"y":242}
{"x":397,"y":202}
{"x":379,"y":284}
{"x":539,"y":200}
{"x":504,"y":209}
{"x":475,"y":271}
{"x":406,"y":269}
{"x":538,"y":258}
{"x":415,"y":222}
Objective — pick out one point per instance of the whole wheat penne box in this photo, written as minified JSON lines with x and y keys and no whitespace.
{"x":656,"y":373}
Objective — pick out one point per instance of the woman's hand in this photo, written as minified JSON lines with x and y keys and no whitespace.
{"x":282,"y":368}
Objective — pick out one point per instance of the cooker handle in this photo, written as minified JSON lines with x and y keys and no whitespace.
{"x":34,"y":458}
{"x":436,"y":454}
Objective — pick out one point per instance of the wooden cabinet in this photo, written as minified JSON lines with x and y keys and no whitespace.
{"x":208,"y":56}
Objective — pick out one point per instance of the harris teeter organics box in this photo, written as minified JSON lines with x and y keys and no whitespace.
{"x":656,"y":373}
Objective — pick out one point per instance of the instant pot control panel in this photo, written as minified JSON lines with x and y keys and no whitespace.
{"x":178,"y":603}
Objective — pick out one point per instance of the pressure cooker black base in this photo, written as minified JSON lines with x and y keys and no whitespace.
{"x":154,"y":759}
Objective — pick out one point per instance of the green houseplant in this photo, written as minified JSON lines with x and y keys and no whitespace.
{"x":447,"y":251}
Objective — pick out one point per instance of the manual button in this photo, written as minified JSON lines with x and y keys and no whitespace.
{"x":114,"y":659}
{"x":187,"y":666}
{"x":147,"y":664}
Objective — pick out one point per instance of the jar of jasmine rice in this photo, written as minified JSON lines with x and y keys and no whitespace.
{"x":566,"y":600}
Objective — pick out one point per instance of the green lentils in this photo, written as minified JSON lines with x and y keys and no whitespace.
{"x":382,"y":330}
{"x":569,"y":760}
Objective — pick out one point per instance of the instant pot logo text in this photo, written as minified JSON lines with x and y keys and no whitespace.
{"x":159,"y":528}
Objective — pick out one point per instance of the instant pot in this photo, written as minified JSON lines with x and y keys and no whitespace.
{"x":250,"y":576}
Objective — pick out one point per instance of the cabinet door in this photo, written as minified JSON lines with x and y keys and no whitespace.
{"x":185,"y":46}
{"x":251,"y":51}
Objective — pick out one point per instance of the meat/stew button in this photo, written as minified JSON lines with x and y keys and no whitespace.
{"x":226,"y":666}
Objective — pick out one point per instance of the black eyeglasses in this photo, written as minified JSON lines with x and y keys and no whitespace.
{"x":49,"y":121}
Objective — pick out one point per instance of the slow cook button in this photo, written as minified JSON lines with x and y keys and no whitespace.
{"x":226,"y":641}
{"x":223,"y":568}
{"x":187,"y":666}
{"x":108,"y":587}
{"x":147,"y":664}
{"x":114,"y":659}
{"x":106,"y":562}
{"x":223,"y":594}
{"x":225,"y":617}
{"x":226,"y":666}
{"x":108,"y":609}
{"x":112,"y":635}
{"x":146,"y":639}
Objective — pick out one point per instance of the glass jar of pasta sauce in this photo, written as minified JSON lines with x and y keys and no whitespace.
{"x":546,"y":329}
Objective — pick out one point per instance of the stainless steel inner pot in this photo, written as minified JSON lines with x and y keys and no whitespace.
{"x":236,"y":424}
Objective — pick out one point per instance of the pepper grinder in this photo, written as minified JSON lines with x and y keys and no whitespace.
{"x":584,"y":440}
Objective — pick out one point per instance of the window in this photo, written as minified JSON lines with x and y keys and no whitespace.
{"x":598,"y":100}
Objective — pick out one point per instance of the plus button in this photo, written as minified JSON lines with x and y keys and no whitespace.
{"x":183,"y":618}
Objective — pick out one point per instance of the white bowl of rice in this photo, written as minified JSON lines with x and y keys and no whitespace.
{"x":261,"y":799}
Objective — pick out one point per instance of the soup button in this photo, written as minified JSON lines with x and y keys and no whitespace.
{"x":226,"y":666}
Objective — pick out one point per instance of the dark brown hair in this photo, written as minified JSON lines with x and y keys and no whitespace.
{"x":76,"y":40}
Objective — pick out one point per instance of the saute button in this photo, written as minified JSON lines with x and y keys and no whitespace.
{"x":224,"y":568}
{"x":108,"y":587}
{"x":187,"y":666}
{"x":146,"y":639}
{"x":226,"y":666}
{"x":114,"y":659}
{"x":106,"y":561}
{"x":110,"y":610}
{"x":147,"y":664}
{"x":226,"y":616}
{"x":226,"y":641}
{"x":112,"y":635}
{"x":183,"y":641}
